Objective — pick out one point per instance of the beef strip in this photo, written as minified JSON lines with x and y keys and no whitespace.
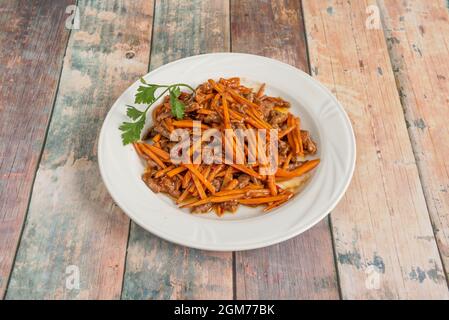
{"x":152,"y":183}
{"x":212,"y":118}
{"x":192,"y":107}
{"x":266,"y":107}
{"x":159,"y":128}
{"x":307,"y":142}
{"x":203,"y":208}
{"x":244,"y":180}
{"x":164,"y":184}
{"x":217,"y":182}
{"x":171,"y":186}
{"x":283,"y":148}
{"x":276,"y":118}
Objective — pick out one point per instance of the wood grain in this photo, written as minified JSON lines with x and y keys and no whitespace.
{"x":417,"y":35}
{"x":33,"y":39}
{"x":303,"y":267}
{"x":72,"y":223}
{"x":155,"y":268}
{"x":383,"y":235}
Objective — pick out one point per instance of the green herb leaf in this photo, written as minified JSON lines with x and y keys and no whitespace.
{"x":131,"y":130}
{"x":177,"y":106}
{"x":134,"y":113}
{"x":145,"y":94}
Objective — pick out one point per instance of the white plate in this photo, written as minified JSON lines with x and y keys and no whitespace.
{"x":248,"y":228}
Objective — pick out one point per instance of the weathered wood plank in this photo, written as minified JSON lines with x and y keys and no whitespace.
{"x":72,"y":220}
{"x":383,"y":236}
{"x":301,"y":268}
{"x":157,"y":269}
{"x":417,"y":36}
{"x":33,"y":39}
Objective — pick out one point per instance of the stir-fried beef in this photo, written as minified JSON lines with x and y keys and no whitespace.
{"x":307,"y":142}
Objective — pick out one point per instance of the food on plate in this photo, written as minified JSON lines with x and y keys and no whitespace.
{"x":194,"y":151}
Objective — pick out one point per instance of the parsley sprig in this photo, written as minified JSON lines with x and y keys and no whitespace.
{"x":146,"y":94}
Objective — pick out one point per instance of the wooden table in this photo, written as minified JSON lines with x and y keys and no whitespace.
{"x":387,"y":239}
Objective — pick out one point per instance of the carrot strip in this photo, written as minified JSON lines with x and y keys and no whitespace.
{"x":186,"y":179}
{"x":187,"y":124}
{"x":290,"y":140}
{"x":205,"y":98}
{"x":204,"y":181}
{"x":158,"y":151}
{"x":298,"y":135}
{"x":199,"y":187}
{"x":239,"y":191}
{"x":248,"y":171}
{"x":215,"y":85}
{"x":214,"y":199}
{"x":218,"y":210}
{"x":257,"y":193}
{"x":204,"y":111}
{"x":227,"y":177}
{"x":276,"y":204}
{"x":286,"y":131}
{"x":139,"y":152}
{"x":176,"y":171}
{"x":306,"y":167}
{"x":231,"y":185}
{"x":188,"y":201}
{"x":215,"y":171}
{"x":156,"y":138}
{"x":169,"y":124}
{"x":184,"y":195}
{"x":260,"y":91}
{"x":227,"y":121}
{"x":287,"y":161}
{"x":153,"y":156}
{"x":264,"y":199}
{"x":243,"y":100}
{"x":162,"y":172}
{"x":235,"y":115}
{"x":272,"y":185}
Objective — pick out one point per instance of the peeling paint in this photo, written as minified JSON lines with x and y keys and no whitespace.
{"x":419,"y":123}
{"x":350,"y":257}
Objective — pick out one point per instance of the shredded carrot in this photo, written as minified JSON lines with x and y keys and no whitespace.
{"x":215,"y":200}
{"x":287,"y":160}
{"x":260,"y":91}
{"x":227,"y":121}
{"x":277,"y":204}
{"x":158,"y":151}
{"x":169,"y":124}
{"x":227,"y":104}
{"x":306,"y":167}
{"x":248,"y":171}
{"x":298,"y":136}
{"x":187,"y":124}
{"x":176,"y":171}
{"x":272,"y":185}
{"x":153,"y":156}
{"x":163,"y":172}
{"x":285,"y":132}
{"x":231,"y":185}
{"x":199,"y":187}
{"x":195,"y":172}
{"x":157,"y":137}
{"x":263,"y":199}
{"x":205,"y":111}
